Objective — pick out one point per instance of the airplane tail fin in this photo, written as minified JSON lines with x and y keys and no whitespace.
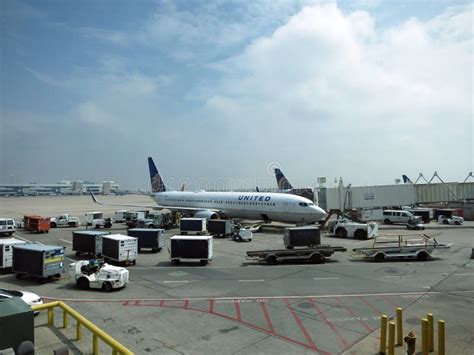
{"x":283,"y":183}
{"x":406,"y":180}
{"x":157,"y":184}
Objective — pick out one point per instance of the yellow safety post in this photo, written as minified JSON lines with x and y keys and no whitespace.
{"x":65,"y":320}
{"x":51,"y":317}
{"x":441,"y":344}
{"x":424,"y":336}
{"x":114,"y":352}
{"x":399,"y":327}
{"x":383,"y":334}
{"x":78,"y":330}
{"x":95,"y":344}
{"x":430,"y":332}
{"x":391,"y":338}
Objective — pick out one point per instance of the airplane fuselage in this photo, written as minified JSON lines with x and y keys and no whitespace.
{"x":256,"y":206}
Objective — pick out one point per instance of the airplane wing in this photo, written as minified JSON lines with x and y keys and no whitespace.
{"x":155,"y":207}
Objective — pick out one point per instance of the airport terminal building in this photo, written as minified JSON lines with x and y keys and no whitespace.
{"x":60,"y":188}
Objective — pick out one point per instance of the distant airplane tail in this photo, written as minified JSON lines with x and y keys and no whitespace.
{"x":157,"y":184}
{"x":406,"y":180}
{"x":282,"y":182}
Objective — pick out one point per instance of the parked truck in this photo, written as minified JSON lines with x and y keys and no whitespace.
{"x":120,"y":248}
{"x":97,"y":220}
{"x":191,"y":248}
{"x":301,"y":237}
{"x":192,"y":225}
{"x":64,"y":220}
{"x":162,"y":220}
{"x":153,"y":239}
{"x":119,"y":216}
{"x":106,"y":277}
{"x":39,"y":260}
{"x":345,"y":228}
{"x":6,"y":251}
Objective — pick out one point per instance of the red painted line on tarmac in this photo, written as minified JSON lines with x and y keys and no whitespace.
{"x":389,"y":300}
{"x":371,"y":306}
{"x":267,"y":317}
{"x":125,"y":303}
{"x":341,"y":340}
{"x":162,"y":303}
{"x":211,"y":306}
{"x":305,"y":332}
{"x":136,"y":303}
{"x":352,"y":314}
{"x":186,"y":304}
{"x":237,"y":311}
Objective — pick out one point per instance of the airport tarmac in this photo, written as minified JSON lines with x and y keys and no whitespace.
{"x":236,"y":306}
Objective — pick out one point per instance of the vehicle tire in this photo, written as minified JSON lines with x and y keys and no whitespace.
{"x":380,"y":257}
{"x":19,"y":276}
{"x":422,"y":228}
{"x":317,"y":258}
{"x":107,"y":286}
{"x":82,"y":283}
{"x":72,"y":224}
{"x":457,"y":223}
{"x":387,"y":221}
{"x":271,"y":260}
{"x":78,"y":253}
{"x":58,"y":276}
{"x":445,"y":221}
{"x":422,"y":256}
{"x":239,"y":238}
{"x":151,"y":226}
{"x":134,"y":262}
{"x":126,"y":262}
{"x":360,"y":234}
{"x":203,"y":262}
{"x":341,"y":232}
{"x":53,"y":225}
{"x":97,"y":226}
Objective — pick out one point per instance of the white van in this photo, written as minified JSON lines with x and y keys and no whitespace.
{"x":396,"y":216}
{"x":7,"y":226}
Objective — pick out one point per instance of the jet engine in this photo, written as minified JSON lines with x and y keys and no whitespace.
{"x":206,"y":214}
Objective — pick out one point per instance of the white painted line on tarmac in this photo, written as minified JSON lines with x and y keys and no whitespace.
{"x":393,"y":276}
{"x":252,"y":280}
{"x":326,"y":278}
{"x":174,"y":281}
{"x":67,"y":241}
{"x":463,"y":274}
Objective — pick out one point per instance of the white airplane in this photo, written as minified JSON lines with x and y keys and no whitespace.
{"x":248,"y":205}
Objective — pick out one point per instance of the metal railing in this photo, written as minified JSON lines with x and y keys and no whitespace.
{"x":97,"y":333}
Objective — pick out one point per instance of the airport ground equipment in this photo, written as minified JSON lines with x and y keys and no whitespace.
{"x":107,"y":277}
{"x":220,"y":227}
{"x":426,"y":214}
{"x":409,"y":246}
{"x":7,"y":226}
{"x":119,"y":216}
{"x":132,"y":218}
{"x":16,"y":324}
{"x":97,"y":220}
{"x":40,"y":260}
{"x":120,"y":248}
{"x":301,"y":237}
{"x":456,"y":220}
{"x":242,"y":235}
{"x":64,"y":220}
{"x":415,"y":224}
{"x":162,"y":220}
{"x":345,"y":228}
{"x":87,"y":242}
{"x":191,"y":248}
{"x":36,"y":224}
{"x":6,"y":251}
{"x":151,"y":238}
{"x":192,"y":225}
{"x":315,"y":255}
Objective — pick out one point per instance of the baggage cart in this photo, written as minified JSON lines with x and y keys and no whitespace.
{"x":153,"y":239}
{"x":88,"y":242}
{"x":39,"y":260}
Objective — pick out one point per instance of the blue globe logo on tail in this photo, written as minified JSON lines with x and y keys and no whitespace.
{"x":157,"y":184}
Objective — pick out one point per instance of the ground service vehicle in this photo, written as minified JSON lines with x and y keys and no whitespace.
{"x":64,"y":220}
{"x":410,"y":246}
{"x":149,"y":238}
{"x":7,"y":226}
{"x":396,"y":216}
{"x":345,"y":228}
{"x":415,"y":224}
{"x":220,"y":227}
{"x":192,"y":225}
{"x":107,"y":277}
{"x":39,"y":260}
{"x":242,"y":235}
{"x":301,"y":237}
{"x":89,"y":242}
{"x":97,"y":220}
{"x":315,"y":255}
{"x":120,"y":248}
{"x":163,"y":220}
{"x":191,"y":248}
{"x":119,"y":216}
{"x":456,"y":220}
{"x":36,"y":224}
{"x":6,"y":251}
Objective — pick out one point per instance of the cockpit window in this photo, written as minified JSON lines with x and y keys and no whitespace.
{"x":303,"y":204}
{"x":310,"y":204}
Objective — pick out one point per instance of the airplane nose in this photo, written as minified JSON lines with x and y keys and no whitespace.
{"x":319,"y":212}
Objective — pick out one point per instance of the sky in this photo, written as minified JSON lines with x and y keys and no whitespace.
{"x":221,"y":92}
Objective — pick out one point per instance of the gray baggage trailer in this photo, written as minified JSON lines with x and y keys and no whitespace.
{"x":6,"y":251}
{"x":42,"y":261}
{"x":192,"y":225}
{"x":149,"y":238}
{"x":316,"y":255}
{"x":88,"y":242}
{"x":220,"y":227}
{"x":191,"y":248}
{"x":302,"y":237}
